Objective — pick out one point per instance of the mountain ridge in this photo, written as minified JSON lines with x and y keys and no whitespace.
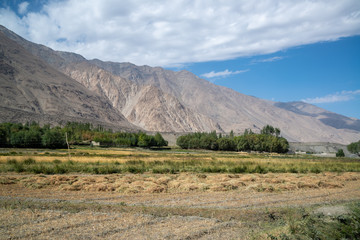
{"x":157,"y":99}
{"x":36,"y":91}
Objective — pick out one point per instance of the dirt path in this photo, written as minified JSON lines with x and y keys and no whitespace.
{"x":53,"y":212}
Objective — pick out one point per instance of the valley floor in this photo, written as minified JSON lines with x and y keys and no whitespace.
{"x":232,"y":206}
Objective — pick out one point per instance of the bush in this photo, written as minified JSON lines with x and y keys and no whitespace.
{"x":340,"y":153}
{"x":29,"y":161}
{"x":11,"y":161}
{"x":313,"y":226}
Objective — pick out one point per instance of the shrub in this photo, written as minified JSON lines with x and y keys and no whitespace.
{"x":60,"y":169}
{"x":29,"y":161}
{"x":12,"y":161}
{"x":136,"y":169}
{"x":340,"y":153}
{"x":242,"y":169}
{"x":19,"y":167}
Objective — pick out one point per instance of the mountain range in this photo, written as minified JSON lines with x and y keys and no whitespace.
{"x":52,"y":86}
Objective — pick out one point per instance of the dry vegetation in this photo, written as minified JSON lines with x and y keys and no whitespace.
{"x":189,"y":203}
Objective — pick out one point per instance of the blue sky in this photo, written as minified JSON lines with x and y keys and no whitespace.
{"x":326,"y":74}
{"x":275,"y":50}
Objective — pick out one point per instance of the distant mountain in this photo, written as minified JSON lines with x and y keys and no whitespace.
{"x":162,"y":100}
{"x":31,"y":90}
{"x":328,"y":118}
{"x":235,"y":111}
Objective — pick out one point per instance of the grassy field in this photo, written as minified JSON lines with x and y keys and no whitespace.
{"x":107,"y":161}
{"x":115,"y":193}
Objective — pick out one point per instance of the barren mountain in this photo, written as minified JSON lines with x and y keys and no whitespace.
{"x":236,"y":111}
{"x":329,"y":118}
{"x":143,"y":105}
{"x":163,"y":100}
{"x":31,"y":90}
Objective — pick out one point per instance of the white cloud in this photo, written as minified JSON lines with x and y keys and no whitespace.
{"x":225,"y":73}
{"x":342,"y":96}
{"x":272,"y":59}
{"x":168,"y":33}
{"x":22,"y":8}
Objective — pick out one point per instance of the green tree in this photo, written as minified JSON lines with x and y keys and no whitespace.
{"x":277,"y":132}
{"x":54,"y":138}
{"x":159,"y":140}
{"x":270,"y":130}
{"x":226,"y":144}
{"x":32,"y":138}
{"x":340,"y":153}
{"x":242,"y":143}
{"x":3,"y":137}
{"x":209,"y":141}
{"x":146,"y":141}
{"x":183,"y":142}
{"x":248,"y":132}
{"x":354,"y":147}
{"x":17,"y":139}
{"x":231,"y":135}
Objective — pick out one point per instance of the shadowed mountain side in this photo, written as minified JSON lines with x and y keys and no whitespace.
{"x":328,"y":118}
{"x":28,"y":84}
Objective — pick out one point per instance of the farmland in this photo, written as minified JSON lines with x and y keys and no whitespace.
{"x":172,"y":194}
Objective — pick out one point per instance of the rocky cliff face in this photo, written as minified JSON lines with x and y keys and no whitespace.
{"x":31,"y":89}
{"x":161,"y":100}
{"x":143,"y":105}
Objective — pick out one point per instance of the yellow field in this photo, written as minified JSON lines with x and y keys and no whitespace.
{"x":169,"y":194}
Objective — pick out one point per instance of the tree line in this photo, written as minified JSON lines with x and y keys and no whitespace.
{"x":354,"y":147}
{"x":268,"y":140}
{"x":32,"y":135}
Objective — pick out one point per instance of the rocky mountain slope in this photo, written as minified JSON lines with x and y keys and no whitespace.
{"x":143,"y":105}
{"x":31,"y":90}
{"x":235,"y":111}
{"x":162,"y":100}
{"x":328,"y":118}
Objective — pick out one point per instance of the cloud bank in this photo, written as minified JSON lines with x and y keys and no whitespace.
{"x":342,"y":96}
{"x":166,"y":33}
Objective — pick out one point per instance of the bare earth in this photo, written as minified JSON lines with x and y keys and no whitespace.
{"x":150,"y":206}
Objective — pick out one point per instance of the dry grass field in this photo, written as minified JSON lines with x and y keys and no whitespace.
{"x":189,"y":204}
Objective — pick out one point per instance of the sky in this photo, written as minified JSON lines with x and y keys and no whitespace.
{"x":279,"y":50}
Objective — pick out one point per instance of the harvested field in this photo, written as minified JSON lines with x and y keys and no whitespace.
{"x":185,"y":205}
{"x":183,"y":182}
{"x":79,"y":206}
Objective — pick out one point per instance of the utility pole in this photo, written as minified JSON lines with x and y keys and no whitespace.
{"x":67,"y":142}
